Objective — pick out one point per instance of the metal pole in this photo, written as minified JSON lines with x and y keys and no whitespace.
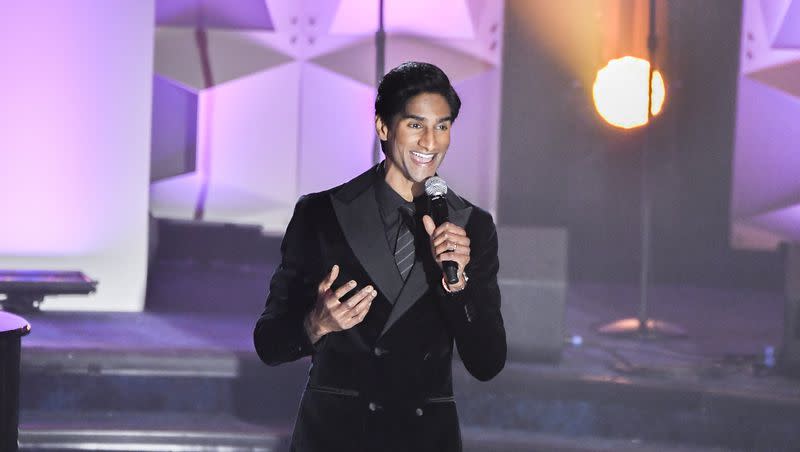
{"x":644,"y":277}
{"x":380,"y":68}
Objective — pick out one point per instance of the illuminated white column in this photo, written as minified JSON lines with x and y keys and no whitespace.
{"x":75,"y":143}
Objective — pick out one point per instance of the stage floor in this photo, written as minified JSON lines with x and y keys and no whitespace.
{"x":727,"y":330}
{"x":715,"y":373}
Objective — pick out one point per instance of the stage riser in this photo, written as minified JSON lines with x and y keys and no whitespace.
{"x":533,"y":314}
{"x":233,"y":262}
{"x":517,"y":400}
{"x":533,"y":285}
{"x":708,"y":424}
{"x":85,"y":392}
{"x":228,"y":288}
{"x":257,"y":393}
{"x":576,"y":407}
{"x":207,"y":242}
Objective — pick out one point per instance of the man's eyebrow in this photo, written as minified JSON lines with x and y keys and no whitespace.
{"x":422,"y":118}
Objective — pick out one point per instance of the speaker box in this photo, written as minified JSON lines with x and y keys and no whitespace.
{"x":533,"y":286}
{"x":789,"y":359}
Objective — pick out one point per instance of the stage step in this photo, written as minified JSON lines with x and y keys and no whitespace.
{"x":146,"y":431}
{"x":479,"y":439}
{"x":234,"y":384}
{"x":179,"y":432}
{"x":206,"y":267}
{"x":206,"y":241}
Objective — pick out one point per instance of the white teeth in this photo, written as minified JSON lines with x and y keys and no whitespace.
{"x":424,"y":157}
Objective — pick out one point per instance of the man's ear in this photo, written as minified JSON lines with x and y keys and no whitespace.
{"x":381,"y":128}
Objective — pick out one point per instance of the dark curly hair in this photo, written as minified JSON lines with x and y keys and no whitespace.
{"x":402,"y":83}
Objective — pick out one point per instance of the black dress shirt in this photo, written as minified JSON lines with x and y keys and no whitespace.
{"x":390,"y":202}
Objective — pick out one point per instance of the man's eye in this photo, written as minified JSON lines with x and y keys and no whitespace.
{"x":442,"y":127}
{"x":415,"y":125}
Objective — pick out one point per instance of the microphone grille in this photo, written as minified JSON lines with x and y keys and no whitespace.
{"x":435,"y":186}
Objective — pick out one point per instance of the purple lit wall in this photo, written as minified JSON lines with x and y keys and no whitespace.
{"x":286,"y":107}
{"x":765,"y":204}
{"x":75,"y":141}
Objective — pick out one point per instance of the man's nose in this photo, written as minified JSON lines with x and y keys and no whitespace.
{"x":426,"y":140}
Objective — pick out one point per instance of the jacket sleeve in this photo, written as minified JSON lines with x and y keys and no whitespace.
{"x":473,"y":314}
{"x":279,"y":335}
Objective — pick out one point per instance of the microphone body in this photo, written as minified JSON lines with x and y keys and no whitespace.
{"x":436,"y":189}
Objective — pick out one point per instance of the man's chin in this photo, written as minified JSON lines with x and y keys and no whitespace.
{"x":421,"y":178}
{"x":422,"y":174}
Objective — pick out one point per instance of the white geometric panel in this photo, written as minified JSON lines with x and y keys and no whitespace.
{"x":173,"y":132}
{"x":175,"y":197}
{"x":231,"y":54}
{"x":470,"y":166}
{"x":74,"y":133}
{"x":253,"y":145}
{"x":358,"y":60}
{"x":766,"y":187}
{"x":301,"y":28}
{"x":487,"y":17}
{"x":788,"y":35}
{"x":431,"y":18}
{"x":772,"y":12}
{"x":783,"y":77}
{"x":757,"y":51}
{"x":247,"y":147}
{"x":766,"y":161}
{"x":338,"y":129}
{"x":784,"y":222}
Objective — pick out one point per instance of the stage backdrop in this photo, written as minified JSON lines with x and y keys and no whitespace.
{"x":561,"y":165}
{"x":75,"y":88}
{"x":274,"y":99}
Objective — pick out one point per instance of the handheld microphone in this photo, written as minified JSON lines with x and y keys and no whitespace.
{"x":436,"y":189}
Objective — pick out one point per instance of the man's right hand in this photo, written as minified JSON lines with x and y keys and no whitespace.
{"x":330,"y":314}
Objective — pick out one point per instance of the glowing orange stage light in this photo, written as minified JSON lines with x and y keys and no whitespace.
{"x":620,"y":92}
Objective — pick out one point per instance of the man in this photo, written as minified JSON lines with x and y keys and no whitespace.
{"x":360,"y":289}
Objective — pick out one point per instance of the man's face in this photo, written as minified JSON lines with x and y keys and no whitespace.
{"x":417,"y":140}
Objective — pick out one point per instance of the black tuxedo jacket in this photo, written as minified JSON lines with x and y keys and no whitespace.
{"x":385,"y":384}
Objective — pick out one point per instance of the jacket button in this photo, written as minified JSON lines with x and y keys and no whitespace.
{"x":418,"y":412}
{"x":377,"y":351}
{"x":373,"y":406}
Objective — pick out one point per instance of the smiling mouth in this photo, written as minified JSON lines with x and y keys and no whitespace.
{"x":421,"y":158}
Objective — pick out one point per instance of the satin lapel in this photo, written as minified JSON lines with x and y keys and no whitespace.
{"x":460,"y":217}
{"x":362,"y":226}
{"x":417,"y":284}
{"x":415,"y":287}
{"x":459,"y":210}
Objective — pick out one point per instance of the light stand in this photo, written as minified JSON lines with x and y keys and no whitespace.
{"x":643,"y":327}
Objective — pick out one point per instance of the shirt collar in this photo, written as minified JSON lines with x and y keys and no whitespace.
{"x":389,"y":201}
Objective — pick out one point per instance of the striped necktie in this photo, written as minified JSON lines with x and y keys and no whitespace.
{"x":404,"y":247}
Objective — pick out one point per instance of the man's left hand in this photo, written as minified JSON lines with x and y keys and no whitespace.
{"x":449,"y":242}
